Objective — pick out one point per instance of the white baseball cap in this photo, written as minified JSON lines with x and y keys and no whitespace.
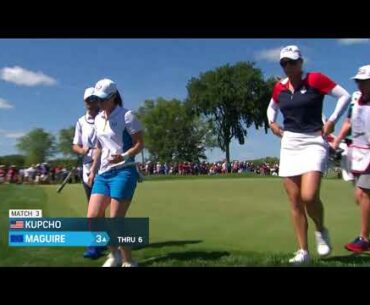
{"x":363,"y":73}
{"x":291,"y":52}
{"x":104,"y":88}
{"x":88,"y":92}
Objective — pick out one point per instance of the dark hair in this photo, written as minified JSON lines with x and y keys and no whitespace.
{"x":118,"y":99}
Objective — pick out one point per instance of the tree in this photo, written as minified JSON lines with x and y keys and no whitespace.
{"x":65,"y":142}
{"x":68,"y":163}
{"x":270,"y":160}
{"x":17,"y":160}
{"x":233,"y":97}
{"x":37,"y":145}
{"x":172,"y":132}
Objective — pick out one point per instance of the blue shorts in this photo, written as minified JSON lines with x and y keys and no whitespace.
{"x":116,"y":183}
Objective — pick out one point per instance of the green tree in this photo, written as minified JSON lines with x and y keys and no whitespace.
{"x":37,"y":145}
{"x":233,"y":98}
{"x":17,"y":160}
{"x":65,"y":142}
{"x":270,"y":160}
{"x":172,"y":132}
{"x":68,"y":163}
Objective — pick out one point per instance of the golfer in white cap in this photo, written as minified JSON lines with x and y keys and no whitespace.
{"x":119,"y":140}
{"x":84,"y":142}
{"x":304,"y":149}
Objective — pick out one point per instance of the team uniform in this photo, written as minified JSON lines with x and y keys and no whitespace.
{"x":117,"y":181}
{"x":85,"y":136}
{"x":303,"y":148}
{"x":360,"y":150}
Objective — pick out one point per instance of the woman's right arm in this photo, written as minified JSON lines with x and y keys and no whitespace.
{"x":77,"y":146}
{"x":79,"y":149}
{"x":272,"y":112}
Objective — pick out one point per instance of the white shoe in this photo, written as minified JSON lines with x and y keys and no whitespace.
{"x":130,"y":264}
{"x":301,"y":257}
{"x":323,"y":242}
{"x":114,"y":260}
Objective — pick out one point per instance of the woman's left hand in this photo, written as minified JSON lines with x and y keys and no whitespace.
{"x":328,"y":128}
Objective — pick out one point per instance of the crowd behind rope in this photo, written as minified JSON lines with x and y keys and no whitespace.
{"x":38,"y":174}
{"x":46,"y":174}
{"x":208,"y":168}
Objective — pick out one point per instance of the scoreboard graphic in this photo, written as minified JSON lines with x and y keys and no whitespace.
{"x":27,"y":228}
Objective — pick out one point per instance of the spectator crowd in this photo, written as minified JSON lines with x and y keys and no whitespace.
{"x":45,"y":174}
{"x":207,"y":168}
{"x":38,"y":174}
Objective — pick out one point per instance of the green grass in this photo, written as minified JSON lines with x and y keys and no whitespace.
{"x":195,"y":222}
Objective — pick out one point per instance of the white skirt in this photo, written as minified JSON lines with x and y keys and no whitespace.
{"x":302,"y":153}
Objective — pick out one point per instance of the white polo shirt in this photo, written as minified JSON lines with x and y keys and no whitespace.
{"x":114,"y":135}
{"x":85,"y":135}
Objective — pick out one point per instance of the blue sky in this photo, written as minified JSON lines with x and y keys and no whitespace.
{"x":42,"y":80}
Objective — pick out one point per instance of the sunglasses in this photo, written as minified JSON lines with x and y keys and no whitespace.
{"x":361,"y":81}
{"x":91,"y":99}
{"x":95,"y":98}
{"x":292,"y":62}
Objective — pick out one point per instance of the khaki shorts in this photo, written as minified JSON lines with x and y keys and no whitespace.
{"x":363,"y":181}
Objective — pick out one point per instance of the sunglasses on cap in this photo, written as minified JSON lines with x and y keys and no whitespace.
{"x":285,"y":62}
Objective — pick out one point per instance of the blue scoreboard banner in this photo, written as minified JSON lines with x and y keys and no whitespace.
{"x":76,"y":232}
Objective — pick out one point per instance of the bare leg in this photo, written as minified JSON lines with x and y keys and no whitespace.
{"x":310,"y":194}
{"x":363,"y":198}
{"x":292,"y":187}
{"x":119,"y":209}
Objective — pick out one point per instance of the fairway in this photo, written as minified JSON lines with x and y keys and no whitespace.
{"x":195,"y":222}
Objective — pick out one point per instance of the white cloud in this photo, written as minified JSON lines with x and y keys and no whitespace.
{"x":351,"y":41}
{"x":24,"y":77}
{"x":14,"y":135}
{"x":269,"y":54}
{"x":4,"y":104}
{"x":11,"y":134}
